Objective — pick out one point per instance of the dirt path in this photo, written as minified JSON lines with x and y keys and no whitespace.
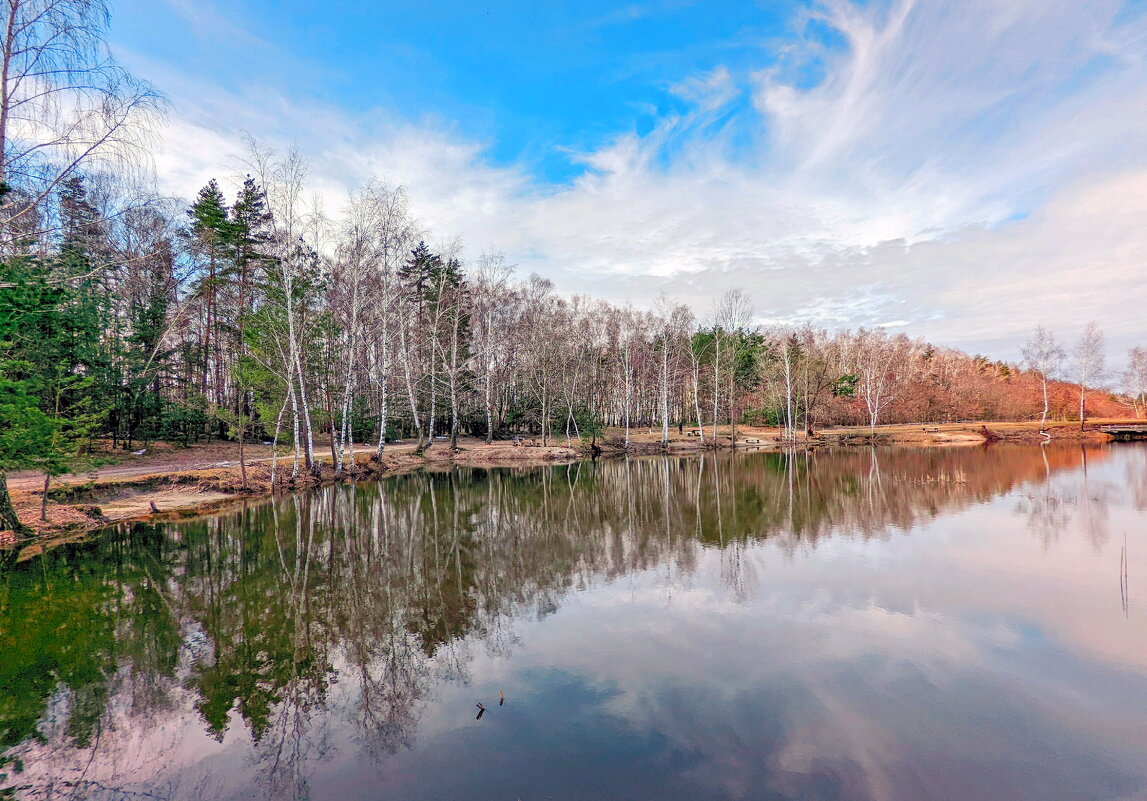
{"x":192,"y":459}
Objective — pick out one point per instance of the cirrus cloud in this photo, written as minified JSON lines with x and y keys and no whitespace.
{"x":963,"y":168}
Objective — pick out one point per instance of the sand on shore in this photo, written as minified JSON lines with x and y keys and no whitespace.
{"x":168,"y":481}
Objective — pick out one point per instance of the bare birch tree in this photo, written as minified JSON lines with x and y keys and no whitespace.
{"x":66,"y":105}
{"x":734,"y":316}
{"x":1043,"y":356}
{"x":788,"y":352}
{"x":697,"y":348}
{"x":1089,"y":363}
{"x":1135,"y":379}
{"x":294,"y":266}
{"x":490,"y":302}
{"x":876,"y":358}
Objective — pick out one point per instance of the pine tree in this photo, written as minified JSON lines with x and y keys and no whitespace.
{"x":247,"y":235}
{"x":210,"y":232}
{"x":419,"y":271}
{"x":26,"y":440}
{"x":33,"y":368}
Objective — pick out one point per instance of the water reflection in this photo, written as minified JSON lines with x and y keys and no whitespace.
{"x":744,"y":627}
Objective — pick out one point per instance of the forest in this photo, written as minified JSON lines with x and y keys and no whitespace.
{"x":249,"y":313}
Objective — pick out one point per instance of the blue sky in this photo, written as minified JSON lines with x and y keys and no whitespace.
{"x":958,"y":169}
{"x":536,"y":82}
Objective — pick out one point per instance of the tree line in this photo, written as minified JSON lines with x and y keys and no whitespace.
{"x":250,"y":314}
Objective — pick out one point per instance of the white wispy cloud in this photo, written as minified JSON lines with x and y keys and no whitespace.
{"x":967,"y":168}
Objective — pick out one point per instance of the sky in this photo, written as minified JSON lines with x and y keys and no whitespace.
{"x":960,"y":170}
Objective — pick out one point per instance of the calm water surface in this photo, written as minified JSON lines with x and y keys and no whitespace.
{"x":867,"y":624}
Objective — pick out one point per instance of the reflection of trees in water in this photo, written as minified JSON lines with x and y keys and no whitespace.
{"x":1137,"y":477}
{"x":353,"y":602}
{"x":1093,"y":504}
{"x":799,"y":498}
{"x":1077,"y":502}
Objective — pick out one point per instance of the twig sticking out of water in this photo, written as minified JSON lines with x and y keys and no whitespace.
{"x":1124,"y":590}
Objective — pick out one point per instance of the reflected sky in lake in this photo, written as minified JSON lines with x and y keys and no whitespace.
{"x":863,"y":624}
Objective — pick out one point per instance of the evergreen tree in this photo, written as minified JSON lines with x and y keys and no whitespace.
{"x":418,"y":272}
{"x":28,"y":305}
{"x":210,"y":234}
{"x":247,"y":237}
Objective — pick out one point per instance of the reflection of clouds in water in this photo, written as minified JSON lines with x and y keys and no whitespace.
{"x":848,"y":702}
{"x":973,"y":669}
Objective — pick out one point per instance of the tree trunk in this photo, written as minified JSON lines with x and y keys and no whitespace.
{"x":242,"y":438}
{"x":275,"y":444}
{"x":732,"y":404}
{"x":716,"y":381}
{"x":8,"y":519}
{"x":383,"y":408}
{"x":382,"y":415}
{"x":240,"y":342}
{"x":428,"y":443}
{"x":309,"y":432}
{"x":790,"y":413}
{"x":1043,"y":419}
{"x":665,"y":392}
{"x":44,"y":497}
{"x":410,"y":393}
{"x":454,"y":345}
{"x":303,"y":406}
{"x":489,"y":405}
{"x":336,"y":445}
{"x":5,"y":97}
{"x":697,"y":400}
{"x":294,"y":423}
{"x":489,"y":373}
{"x":545,"y":420}
{"x":628,"y":391}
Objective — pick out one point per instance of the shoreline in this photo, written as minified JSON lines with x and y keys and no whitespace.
{"x":169,"y":484}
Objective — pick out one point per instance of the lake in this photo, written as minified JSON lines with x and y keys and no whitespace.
{"x":855,"y":624}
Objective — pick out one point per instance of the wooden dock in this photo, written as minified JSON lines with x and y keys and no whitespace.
{"x":1127,"y":433}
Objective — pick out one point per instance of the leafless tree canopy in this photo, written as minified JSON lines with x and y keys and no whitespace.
{"x":1089,"y":364}
{"x":65,"y":106}
{"x":1043,"y":356}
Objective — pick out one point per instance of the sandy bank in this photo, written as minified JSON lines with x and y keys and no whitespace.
{"x":170,"y":482}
